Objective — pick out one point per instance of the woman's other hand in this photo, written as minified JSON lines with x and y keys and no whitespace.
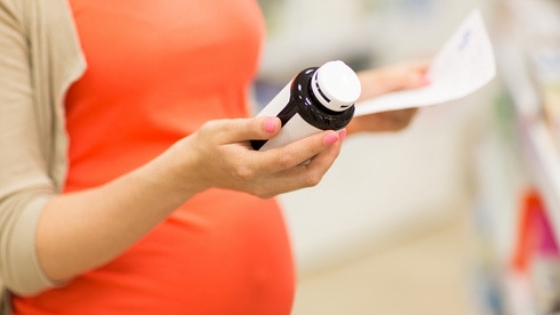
{"x":376,"y":82}
{"x":220,"y":155}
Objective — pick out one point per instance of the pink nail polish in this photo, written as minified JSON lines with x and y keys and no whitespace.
{"x":342,"y":135}
{"x":424,"y":79}
{"x":269,"y":125}
{"x":330,"y":138}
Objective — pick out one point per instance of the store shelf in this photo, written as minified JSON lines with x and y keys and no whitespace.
{"x":544,"y":161}
{"x":541,"y":154}
{"x":515,"y":74}
{"x":521,"y":132}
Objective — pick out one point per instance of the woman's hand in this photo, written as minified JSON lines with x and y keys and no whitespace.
{"x":219,"y":155}
{"x":376,"y":82}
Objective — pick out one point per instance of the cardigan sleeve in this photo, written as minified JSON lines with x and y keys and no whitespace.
{"x":25,"y":186}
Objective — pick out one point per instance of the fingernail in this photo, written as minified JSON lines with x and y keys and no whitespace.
{"x":424,"y":79}
{"x":331,"y":138}
{"x":270,"y":124}
{"x":342,"y":135}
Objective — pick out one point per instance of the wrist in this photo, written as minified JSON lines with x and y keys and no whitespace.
{"x":176,"y":169}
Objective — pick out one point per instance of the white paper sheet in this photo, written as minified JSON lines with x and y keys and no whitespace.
{"x":464,"y":64}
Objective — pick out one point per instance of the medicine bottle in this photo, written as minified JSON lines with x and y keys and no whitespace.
{"x":318,"y":98}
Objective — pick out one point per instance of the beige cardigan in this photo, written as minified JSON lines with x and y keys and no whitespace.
{"x":40,"y":57}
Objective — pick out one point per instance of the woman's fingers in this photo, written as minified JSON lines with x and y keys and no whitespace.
{"x":392,"y":78}
{"x":228,"y":131}
{"x":405,"y":75}
{"x":306,"y":174}
{"x":291,"y":155}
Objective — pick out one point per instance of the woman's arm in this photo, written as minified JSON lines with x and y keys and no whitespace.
{"x":80,"y":231}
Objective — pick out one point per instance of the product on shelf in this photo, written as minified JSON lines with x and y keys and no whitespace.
{"x":537,"y":255}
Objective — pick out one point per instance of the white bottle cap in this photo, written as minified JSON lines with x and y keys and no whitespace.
{"x":336,"y":85}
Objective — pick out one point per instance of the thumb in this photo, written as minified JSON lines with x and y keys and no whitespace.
{"x":257,"y":128}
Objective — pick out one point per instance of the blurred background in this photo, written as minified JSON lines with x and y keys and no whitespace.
{"x":458,"y":214}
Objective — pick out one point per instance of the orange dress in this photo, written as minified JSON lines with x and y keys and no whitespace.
{"x":157,"y":70}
